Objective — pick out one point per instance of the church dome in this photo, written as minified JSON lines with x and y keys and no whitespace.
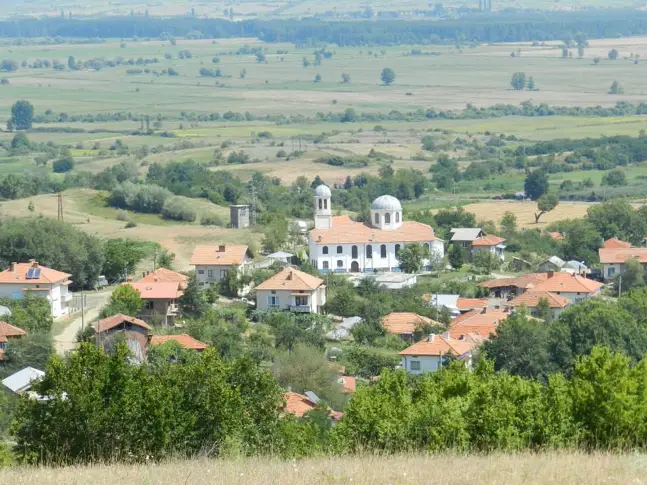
{"x":322,"y":191}
{"x":386,"y":203}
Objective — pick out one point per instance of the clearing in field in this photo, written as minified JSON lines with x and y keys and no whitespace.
{"x":525,"y":212}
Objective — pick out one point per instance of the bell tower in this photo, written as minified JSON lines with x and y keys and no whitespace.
{"x":323,"y":209}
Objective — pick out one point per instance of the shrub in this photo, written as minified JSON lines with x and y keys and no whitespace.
{"x":178,"y":209}
{"x":63,"y":165}
{"x":211,"y":220}
{"x":122,"y":215}
{"x":140,"y":197}
{"x":130,"y":225}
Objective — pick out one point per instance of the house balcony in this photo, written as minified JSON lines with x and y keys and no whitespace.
{"x":300,"y":308}
{"x":173,"y":309}
{"x":67,"y":297}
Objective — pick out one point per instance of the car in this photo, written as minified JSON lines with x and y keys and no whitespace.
{"x":101,"y":282}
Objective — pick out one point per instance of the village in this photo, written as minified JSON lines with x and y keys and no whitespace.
{"x":362,"y":255}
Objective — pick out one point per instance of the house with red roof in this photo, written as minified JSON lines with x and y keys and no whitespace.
{"x":213,"y":262}
{"x":480,"y":322}
{"x":185,"y":340}
{"x":431,"y":353}
{"x":161,"y":300}
{"x":474,"y":240}
{"x":405,"y":324}
{"x":300,"y":404}
{"x":134,"y":332}
{"x":291,"y":289}
{"x":20,"y":278}
{"x":8,"y":332}
{"x":531,"y":300}
{"x":613,"y":259}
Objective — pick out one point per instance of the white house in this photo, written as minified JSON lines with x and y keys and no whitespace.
{"x":341,"y":245}
{"x":212,"y":262}
{"x":21,"y":278}
{"x":429,"y":354}
{"x":474,"y":240}
{"x":291,"y":289}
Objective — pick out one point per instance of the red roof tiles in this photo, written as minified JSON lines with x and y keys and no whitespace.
{"x":184,"y":340}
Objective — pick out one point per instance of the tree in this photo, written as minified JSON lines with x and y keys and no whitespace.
{"x":387,"y":76}
{"x":614,"y":178}
{"x":518,"y":81}
{"x":22,"y":115}
{"x":31,"y":313}
{"x":165,"y":259}
{"x":412,"y":257}
{"x":349,"y":116}
{"x":531,"y":84}
{"x":455,"y":256}
{"x":428,"y":143}
{"x":317,"y":78}
{"x":545,"y":203}
{"x":275,"y":234}
{"x":613,"y":54}
{"x":63,"y":165}
{"x":632,"y":276}
{"x":581,"y":241}
{"x":486,"y":261}
{"x":520,"y":347}
{"x":121,"y":258}
{"x":536,"y":184}
{"x":124,"y":299}
{"x":543,"y":309}
{"x":616,"y":88}
{"x":345,"y":78}
{"x":8,"y":65}
{"x":32,"y":350}
{"x":508,"y":224}
{"x":596,"y":60}
{"x":71,"y":63}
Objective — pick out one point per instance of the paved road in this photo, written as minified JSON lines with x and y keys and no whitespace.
{"x":96,"y":300}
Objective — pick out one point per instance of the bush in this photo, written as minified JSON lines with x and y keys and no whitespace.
{"x":178,"y":209}
{"x":212,"y":220}
{"x":140,"y":197}
{"x":122,"y":215}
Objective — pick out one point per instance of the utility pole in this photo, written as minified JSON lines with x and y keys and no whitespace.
{"x":59,"y":198}
{"x":252,"y":215}
{"x":82,"y":311}
{"x":620,"y":285}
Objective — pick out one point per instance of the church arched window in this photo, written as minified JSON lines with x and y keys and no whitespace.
{"x":383,"y":251}
{"x":324,"y":250}
{"x":397,"y":217}
{"x":377,"y":218}
{"x":325,"y":203}
{"x":320,"y":204}
{"x":387,"y":218}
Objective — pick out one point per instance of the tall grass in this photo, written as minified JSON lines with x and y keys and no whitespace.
{"x":520,"y":469}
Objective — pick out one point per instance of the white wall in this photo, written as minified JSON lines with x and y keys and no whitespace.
{"x":316,"y":299}
{"x":427,"y":364}
{"x":57,"y":295}
{"x":377,"y":262}
{"x":202,"y":271}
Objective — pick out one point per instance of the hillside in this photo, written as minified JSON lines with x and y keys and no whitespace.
{"x":550,"y":469}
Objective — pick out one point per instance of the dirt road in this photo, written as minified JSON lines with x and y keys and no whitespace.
{"x":66,"y":340}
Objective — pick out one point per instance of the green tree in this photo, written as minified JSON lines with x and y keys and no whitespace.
{"x":518,"y":81}
{"x":543,"y":310}
{"x":387,"y":76}
{"x":412,"y":257}
{"x":614,"y":178}
{"x":31,"y":207}
{"x":121,"y":258}
{"x":32,"y":350}
{"x":456,"y":256}
{"x":613,"y":54}
{"x":616,"y":88}
{"x":32,"y":313}
{"x":165,"y":259}
{"x":71,"y":63}
{"x":536,"y":184}
{"x":345,"y":78}
{"x":581,"y":241}
{"x":508,"y":224}
{"x":617,"y":218}
{"x":530,"y":85}
{"x":124,"y":299}
{"x":63,"y":165}
{"x":22,"y":115}
{"x":545,"y":203}
{"x":632,"y":276}
{"x":275,"y":234}
{"x":486,"y":261}
{"x":520,"y":347}
{"x":318,"y":78}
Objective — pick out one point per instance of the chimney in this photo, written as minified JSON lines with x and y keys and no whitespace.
{"x":432,"y":337}
{"x":446,"y":336}
{"x":221,"y":248}
{"x":12,"y":267}
{"x":551,"y":274}
{"x":34,"y":263}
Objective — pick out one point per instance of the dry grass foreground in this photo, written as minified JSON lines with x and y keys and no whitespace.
{"x":522,"y":469}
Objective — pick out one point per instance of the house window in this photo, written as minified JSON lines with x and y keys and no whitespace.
{"x":369,"y":252}
{"x":200,"y":271}
{"x":149,"y":304}
{"x":210,"y":273}
{"x":273,"y":300}
{"x":387,"y":218}
{"x":377,"y":218}
{"x":611,"y":271}
{"x":414,"y":365}
{"x":383,"y":251}
{"x":397,"y":217}
{"x":301,"y":301}
{"x":465,"y":244}
{"x":340,"y":263}
{"x":324,"y":250}
{"x":326,"y":265}
{"x":223,"y":274}
{"x":340,"y":249}
{"x":320,"y":204}
{"x":325,"y":203}
{"x":3,"y":345}
{"x":397,"y":249}
{"x":427,"y":247}
{"x":354,"y":252}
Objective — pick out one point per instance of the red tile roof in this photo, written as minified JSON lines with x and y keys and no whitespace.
{"x":615,"y":243}
{"x":167,"y":290}
{"x":620,"y":255}
{"x":345,"y":231}
{"x":291,"y":279}
{"x":531,"y":299}
{"x":481,"y":323}
{"x":166,"y":275}
{"x":437,"y":345}
{"x":568,"y":283}
{"x":523,"y":282}
{"x":348,"y":384}
{"x":556,"y":236}
{"x":465,"y":304}
{"x":118,"y":320}
{"x":7,"y":330}
{"x":184,"y":340}
{"x":404,"y":323}
{"x":298,"y":404}
{"x":489,"y":240}
{"x":223,"y":255}
{"x":19,"y":275}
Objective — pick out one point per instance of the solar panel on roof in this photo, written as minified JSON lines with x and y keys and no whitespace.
{"x":36,"y":274}
{"x":30,"y":273}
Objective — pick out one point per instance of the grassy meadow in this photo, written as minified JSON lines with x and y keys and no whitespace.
{"x":496,"y":469}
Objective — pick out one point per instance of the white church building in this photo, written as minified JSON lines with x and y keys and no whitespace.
{"x":341,"y":245}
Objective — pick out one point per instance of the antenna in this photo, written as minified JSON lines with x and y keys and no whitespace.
{"x":59,"y":196}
